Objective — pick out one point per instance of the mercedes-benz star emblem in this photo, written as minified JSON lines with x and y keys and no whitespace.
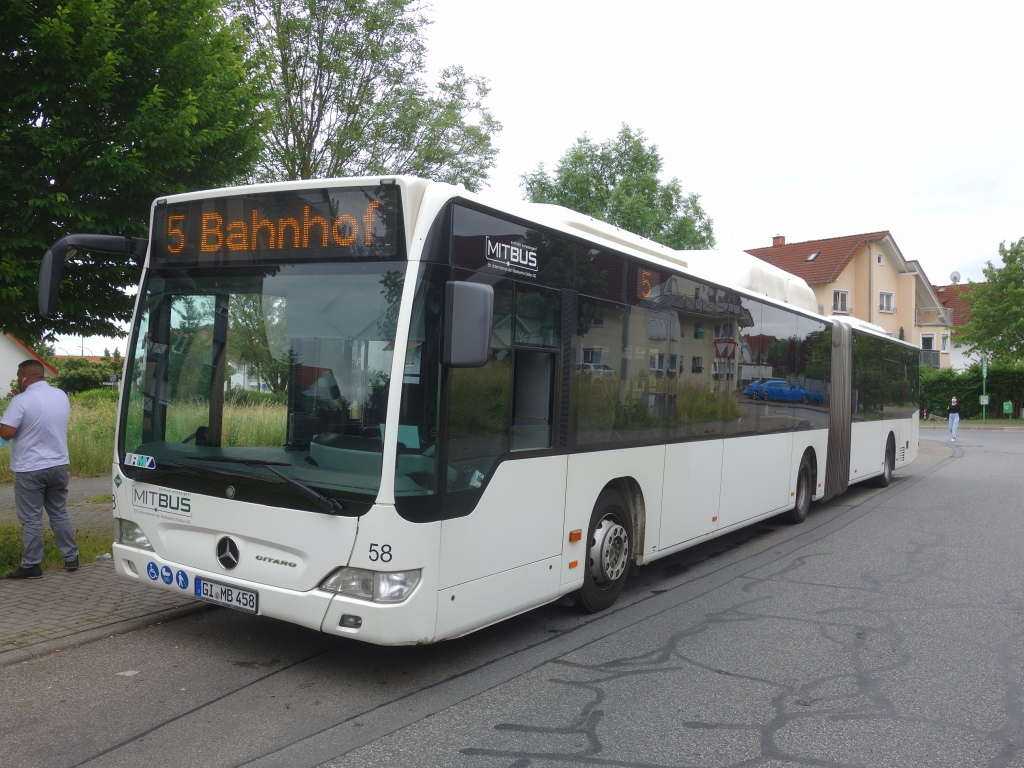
{"x":227,"y":553}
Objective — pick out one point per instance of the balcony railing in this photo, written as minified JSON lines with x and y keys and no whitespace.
{"x":932,"y":316}
{"x":930,"y":358}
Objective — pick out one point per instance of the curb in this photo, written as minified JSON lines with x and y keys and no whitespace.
{"x":18,"y":655}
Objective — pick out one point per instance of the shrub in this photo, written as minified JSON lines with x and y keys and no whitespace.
{"x":103,"y":394}
{"x":1005,"y":382}
{"x":78,"y":375}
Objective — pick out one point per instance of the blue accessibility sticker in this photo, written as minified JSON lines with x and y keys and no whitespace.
{"x":181,"y":578}
{"x":152,"y":571}
{"x":167,"y":575}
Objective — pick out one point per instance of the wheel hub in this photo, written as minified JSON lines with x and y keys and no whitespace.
{"x":609,"y":553}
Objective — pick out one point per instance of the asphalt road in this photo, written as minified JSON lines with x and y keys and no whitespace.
{"x":888,"y":630}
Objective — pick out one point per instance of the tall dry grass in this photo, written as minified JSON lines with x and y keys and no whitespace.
{"x":92,"y":420}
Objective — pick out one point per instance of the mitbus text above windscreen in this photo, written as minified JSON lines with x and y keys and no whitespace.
{"x":336,"y":224}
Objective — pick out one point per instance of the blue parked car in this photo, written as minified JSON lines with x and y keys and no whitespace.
{"x":787,"y":392}
{"x":754,"y":389}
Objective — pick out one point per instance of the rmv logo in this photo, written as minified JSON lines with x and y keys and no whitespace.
{"x":160,"y":501}
{"x":516,"y":254}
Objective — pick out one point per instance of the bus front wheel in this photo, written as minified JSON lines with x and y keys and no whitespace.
{"x":610,"y":547}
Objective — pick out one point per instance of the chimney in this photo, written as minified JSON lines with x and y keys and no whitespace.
{"x":778,"y":240}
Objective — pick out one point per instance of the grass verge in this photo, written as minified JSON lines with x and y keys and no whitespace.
{"x":91,"y":430}
{"x":90,"y":545}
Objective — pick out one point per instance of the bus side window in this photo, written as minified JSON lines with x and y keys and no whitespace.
{"x":532,"y":400}
{"x":479,"y":404}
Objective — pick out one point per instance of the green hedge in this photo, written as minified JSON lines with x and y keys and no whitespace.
{"x":1005,"y":382}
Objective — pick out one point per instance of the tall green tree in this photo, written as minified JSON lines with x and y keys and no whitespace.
{"x":256,"y":338}
{"x":104,"y":106}
{"x":347,"y":95}
{"x":996,"y":327}
{"x":618,"y":181}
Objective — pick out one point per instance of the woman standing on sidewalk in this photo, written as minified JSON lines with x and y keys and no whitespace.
{"x":953,"y":414}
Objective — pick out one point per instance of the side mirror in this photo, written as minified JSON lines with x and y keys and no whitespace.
{"x":469,"y":309}
{"x":52,"y":267}
{"x":50,"y":272}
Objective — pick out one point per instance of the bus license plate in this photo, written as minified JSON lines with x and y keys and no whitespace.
{"x":233,"y":597}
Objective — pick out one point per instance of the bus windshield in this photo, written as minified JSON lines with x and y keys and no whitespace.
{"x":285,"y":364}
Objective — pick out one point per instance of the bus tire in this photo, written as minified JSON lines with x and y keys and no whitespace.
{"x":883,"y":480}
{"x":804,"y":491}
{"x":610,"y":549}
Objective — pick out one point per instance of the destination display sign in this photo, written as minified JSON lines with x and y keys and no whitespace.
{"x":343,"y":223}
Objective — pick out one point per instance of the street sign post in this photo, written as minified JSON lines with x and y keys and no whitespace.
{"x":984,"y":376}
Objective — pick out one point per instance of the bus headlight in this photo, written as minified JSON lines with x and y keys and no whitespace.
{"x":392,"y":587}
{"x":129,"y":534}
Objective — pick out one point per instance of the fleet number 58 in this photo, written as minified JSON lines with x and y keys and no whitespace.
{"x":380,"y":552}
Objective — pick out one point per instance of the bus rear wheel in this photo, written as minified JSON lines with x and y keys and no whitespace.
{"x":804,"y":481}
{"x":609,"y":549}
{"x":889,"y":462}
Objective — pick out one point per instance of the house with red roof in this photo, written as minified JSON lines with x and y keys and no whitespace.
{"x":866,"y":276}
{"x":13,"y":352}
{"x":952,"y":298}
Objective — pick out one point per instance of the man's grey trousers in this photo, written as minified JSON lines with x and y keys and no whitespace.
{"x":33,"y":492}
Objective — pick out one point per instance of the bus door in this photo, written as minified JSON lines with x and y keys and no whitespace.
{"x":505,"y":479}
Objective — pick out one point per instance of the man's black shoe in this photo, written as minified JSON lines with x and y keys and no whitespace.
{"x":31,"y":572}
{"x":71,"y":565}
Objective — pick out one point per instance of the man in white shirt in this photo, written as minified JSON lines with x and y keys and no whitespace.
{"x":36,"y":422}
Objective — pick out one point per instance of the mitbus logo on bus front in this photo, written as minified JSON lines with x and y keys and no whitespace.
{"x":163,"y":500}
{"x":516,"y":256}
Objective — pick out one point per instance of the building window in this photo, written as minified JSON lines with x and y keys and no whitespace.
{"x":885,"y":302}
{"x":657,"y":364}
{"x":723,"y":330}
{"x":841,"y":301}
{"x":697,"y":366}
{"x":662,"y":325}
{"x":945,"y":342}
{"x":880,"y":259}
{"x":698,"y":331}
{"x":928,"y":341}
{"x":673,"y":365}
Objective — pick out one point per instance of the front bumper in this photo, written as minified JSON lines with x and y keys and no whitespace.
{"x":409,"y":622}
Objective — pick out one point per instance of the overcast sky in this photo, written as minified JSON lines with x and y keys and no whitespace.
{"x":805,"y":119}
{"x":809,"y":120}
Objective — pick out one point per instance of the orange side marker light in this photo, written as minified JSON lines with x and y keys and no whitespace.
{"x":573,"y":563}
{"x":575,"y":536}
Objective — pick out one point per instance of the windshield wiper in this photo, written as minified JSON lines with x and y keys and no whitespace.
{"x":329,"y":505}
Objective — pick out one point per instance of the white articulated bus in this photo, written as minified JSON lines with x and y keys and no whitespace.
{"x":386,"y":409}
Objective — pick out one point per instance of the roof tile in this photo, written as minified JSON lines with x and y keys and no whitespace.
{"x":834,"y":254}
{"x":952,"y":298}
